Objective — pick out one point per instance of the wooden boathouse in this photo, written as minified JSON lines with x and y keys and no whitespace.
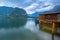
{"x":50,"y":22}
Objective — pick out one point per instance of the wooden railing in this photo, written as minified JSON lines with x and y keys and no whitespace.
{"x":49,"y":21}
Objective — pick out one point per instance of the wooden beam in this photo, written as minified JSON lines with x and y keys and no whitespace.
{"x":53,"y":30}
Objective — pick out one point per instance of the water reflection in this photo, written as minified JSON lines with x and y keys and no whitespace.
{"x":17,"y":34}
{"x":29,"y":31}
{"x":11,"y":23}
{"x":21,"y":33}
{"x":31,"y":25}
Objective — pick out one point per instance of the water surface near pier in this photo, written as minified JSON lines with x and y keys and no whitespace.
{"x":29,"y":31}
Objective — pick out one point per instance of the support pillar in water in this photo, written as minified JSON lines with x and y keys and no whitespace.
{"x":53,"y":30}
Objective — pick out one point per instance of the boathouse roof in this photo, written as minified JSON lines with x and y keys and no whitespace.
{"x":51,"y":13}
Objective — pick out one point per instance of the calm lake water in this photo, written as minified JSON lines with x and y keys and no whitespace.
{"x":29,"y":31}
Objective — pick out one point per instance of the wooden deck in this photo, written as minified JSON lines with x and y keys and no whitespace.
{"x":50,"y":22}
{"x":51,"y":27}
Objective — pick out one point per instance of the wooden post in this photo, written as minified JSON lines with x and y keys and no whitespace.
{"x":53,"y":30}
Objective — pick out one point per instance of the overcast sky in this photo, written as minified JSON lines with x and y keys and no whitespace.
{"x":31,"y":6}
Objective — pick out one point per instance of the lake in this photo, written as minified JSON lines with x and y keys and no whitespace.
{"x":28,"y":31}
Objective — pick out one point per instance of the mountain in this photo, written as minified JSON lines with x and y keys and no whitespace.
{"x":17,"y":12}
{"x":55,"y":9}
{"x":7,"y":10}
{"x":12,"y":17}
